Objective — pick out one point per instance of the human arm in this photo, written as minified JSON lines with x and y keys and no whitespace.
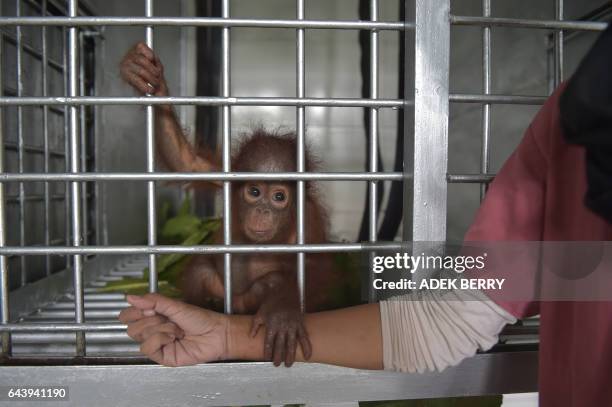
{"x":176,"y":334}
{"x":412,"y":333}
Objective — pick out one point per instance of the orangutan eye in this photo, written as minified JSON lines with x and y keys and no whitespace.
{"x":279,"y":196}
{"x":254,"y":191}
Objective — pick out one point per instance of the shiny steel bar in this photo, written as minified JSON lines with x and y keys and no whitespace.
{"x":66,"y":144}
{"x":20,"y":153}
{"x":262,"y":101}
{"x":497,"y":99}
{"x":208,"y":249}
{"x":4,"y":290}
{"x":206,"y":22}
{"x":151,"y":209}
{"x":82,"y":133}
{"x":301,"y":165}
{"x":199,"y":100}
{"x":61,"y":327}
{"x":226,"y":156}
{"x":469,"y":178}
{"x":558,"y":44}
{"x":486,"y":89}
{"x":101,"y":224}
{"x":52,"y":243}
{"x":528,"y":23}
{"x":45,"y":90}
{"x":373,"y":131}
{"x":432,"y":50}
{"x":34,"y":198}
{"x":209,"y":176}
{"x":73,"y":66}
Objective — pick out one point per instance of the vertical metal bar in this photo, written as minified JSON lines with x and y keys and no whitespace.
{"x":408,"y":112}
{"x":82,"y":127}
{"x":432,"y":48}
{"x":20,"y":143}
{"x":486,"y":88}
{"x":301,"y":164}
{"x":74,"y":168}
{"x":96,"y":154}
{"x":151,"y":216}
{"x":101,"y":226}
{"x":66,"y":147}
{"x":558,"y":44}
{"x":226,"y":128}
{"x":4,"y":303}
{"x":45,"y":91}
{"x":373,"y":201}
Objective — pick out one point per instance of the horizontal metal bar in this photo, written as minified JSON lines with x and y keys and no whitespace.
{"x":50,"y":358}
{"x":205,"y":22}
{"x":497,"y":99}
{"x":201,"y":100}
{"x":32,"y":149}
{"x":602,"y":13}
{"x":207,"y":249}
{"x":529,"y":23}
{"x":91,"y":304}
{"x":105,"y":296}
{"x":89,"y":314}
{"x":261,"y":101}
{"x":53,"y":242}
{"x":52,"y":320}
{"x":67,"y":327}
{"x":469,"y":178}
{"x":209,"y":176}
{"x":10,"y":91}
{"x":67,"y":349}
{"x":64,"y":337}
{"x":127,"y":273}
{"x":36,"y":198}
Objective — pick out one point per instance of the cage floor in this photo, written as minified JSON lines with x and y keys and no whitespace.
{"x":104,"y":307}
{"x":99,"y":308}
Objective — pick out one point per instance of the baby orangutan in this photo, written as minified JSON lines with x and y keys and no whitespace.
{"x":262,"y":213}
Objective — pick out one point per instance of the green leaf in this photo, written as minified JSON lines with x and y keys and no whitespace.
{"x":164,"y":213}
{"x":197,"y":237}
{"x":180,"y":227}
{"x":140,"y":286}
{"x":211,"y":224}
{"x":185,"y":208}
{"x":126,"y":284}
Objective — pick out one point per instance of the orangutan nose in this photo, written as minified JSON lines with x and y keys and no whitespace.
{"x":263,"y":212}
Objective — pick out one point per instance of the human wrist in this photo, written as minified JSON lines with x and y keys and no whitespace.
{"x":165,"y":110}
{"x":239,"y":343}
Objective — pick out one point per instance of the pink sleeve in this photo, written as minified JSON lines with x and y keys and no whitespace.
{"x":513,"y":209}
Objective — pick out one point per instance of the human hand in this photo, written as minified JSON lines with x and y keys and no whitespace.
{"x":174,"y":333}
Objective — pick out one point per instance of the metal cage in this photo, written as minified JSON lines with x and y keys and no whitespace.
{"x":108,"y":379}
